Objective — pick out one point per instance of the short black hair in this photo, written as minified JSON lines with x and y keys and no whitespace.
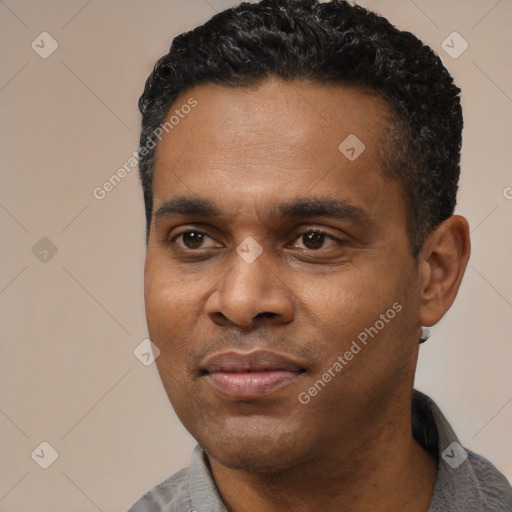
{"x":326,"y":43}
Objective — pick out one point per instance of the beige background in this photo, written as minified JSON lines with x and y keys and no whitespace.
{"x":70,"y":324}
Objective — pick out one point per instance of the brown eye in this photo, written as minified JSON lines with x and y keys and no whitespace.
{"x":313,"y":240}
{"x":192,"y":239}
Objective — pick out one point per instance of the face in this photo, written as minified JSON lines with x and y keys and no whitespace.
{"x":279,"y":282}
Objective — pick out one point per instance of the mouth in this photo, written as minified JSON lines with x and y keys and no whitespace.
{"x":246,"y":376}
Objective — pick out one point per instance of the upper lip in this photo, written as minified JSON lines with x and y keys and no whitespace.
{"x":258,"y":360}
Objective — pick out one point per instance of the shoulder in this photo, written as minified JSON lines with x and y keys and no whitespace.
{"x":188,"y":490}
{"x":476,"y":485}
{"x":170,"y":495}
{"x":494,"y":488}
{"x":466,"y":481}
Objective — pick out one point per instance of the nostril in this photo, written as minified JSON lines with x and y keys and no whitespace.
{"x":266,"y":314}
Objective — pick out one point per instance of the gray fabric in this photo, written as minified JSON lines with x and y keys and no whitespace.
{"x":475,"y":485}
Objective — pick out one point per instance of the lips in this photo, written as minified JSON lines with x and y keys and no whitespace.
{"x":250,"y":375}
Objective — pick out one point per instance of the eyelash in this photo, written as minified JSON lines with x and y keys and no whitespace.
{"x":316,"y":231}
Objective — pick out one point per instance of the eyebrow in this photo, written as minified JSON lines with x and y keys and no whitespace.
{"x":187,"y":206}
{"x":315,"y":207}
{"x":309,"y":208}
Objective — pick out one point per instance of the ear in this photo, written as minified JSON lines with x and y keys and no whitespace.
{"x":442,"y":262}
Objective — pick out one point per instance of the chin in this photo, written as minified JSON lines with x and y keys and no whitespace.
{"x":259,"y":448}
{"x":254,"y":460}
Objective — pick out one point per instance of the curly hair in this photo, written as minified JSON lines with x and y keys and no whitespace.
{"x":327,"y":43}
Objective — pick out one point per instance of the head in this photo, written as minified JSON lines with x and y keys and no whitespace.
{"x":326,"y":43}
{"x":352,"y":241}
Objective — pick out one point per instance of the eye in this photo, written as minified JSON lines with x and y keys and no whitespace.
{"x":314,"y":240}
{"x":193,"y":239}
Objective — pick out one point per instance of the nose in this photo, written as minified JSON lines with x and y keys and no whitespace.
{"x":250,"y":294}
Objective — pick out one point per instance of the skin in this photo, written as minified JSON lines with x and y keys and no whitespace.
{"x":247,"y":150}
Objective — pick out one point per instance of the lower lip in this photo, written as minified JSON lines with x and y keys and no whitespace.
{"x":251,"y":385}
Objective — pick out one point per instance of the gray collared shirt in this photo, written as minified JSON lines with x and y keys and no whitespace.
{"x":466,"y":482}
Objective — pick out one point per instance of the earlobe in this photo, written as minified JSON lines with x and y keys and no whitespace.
{"x":442,"y":262}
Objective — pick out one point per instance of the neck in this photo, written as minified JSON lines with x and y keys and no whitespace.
{"x":386,"y":472}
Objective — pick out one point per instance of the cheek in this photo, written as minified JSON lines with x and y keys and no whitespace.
{"x":167,"y":330}
{"x":372,"y":308}
{"x":349,"y":299}
{"x":165,"y":289}
{"x":164,"y":306}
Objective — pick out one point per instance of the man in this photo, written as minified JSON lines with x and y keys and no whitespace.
{"x":300,"y":162}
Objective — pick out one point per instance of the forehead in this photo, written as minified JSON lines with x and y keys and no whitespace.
{"x":275,"y":140}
